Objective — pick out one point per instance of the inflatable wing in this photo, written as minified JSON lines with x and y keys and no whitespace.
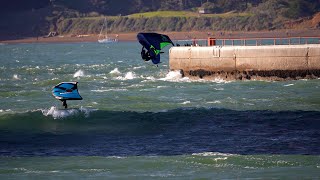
{"x":154,"y":42}
{"x":66,"y":91}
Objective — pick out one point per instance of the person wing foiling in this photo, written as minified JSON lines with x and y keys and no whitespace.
{"x":66,"y":91}
{"x":153,"y":43}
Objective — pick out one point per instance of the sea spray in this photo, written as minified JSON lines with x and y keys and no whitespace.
{"x":174,"y":76}
{"x":64,"y":113}
{"x":115,"y":72}
{"x":128,"y":76}
{"x":59,"y":113}
{"x":15,"y":77}
{"x":79,"y":73}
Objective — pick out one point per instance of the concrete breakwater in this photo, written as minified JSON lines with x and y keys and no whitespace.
{"x":277,"y":62}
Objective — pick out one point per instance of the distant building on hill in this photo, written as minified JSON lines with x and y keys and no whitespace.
{"x":203,"y":11}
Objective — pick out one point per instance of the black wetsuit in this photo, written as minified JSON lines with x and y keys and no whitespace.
{"x":64,"y":103}
{"x":145,"y":55}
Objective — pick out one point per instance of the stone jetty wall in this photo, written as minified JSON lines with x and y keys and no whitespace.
{"x":278,"y":62}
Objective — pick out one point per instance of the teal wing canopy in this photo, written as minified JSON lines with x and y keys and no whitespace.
{"x":66,"y":91}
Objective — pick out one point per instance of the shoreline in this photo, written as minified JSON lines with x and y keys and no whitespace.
{"x":131,"y":36}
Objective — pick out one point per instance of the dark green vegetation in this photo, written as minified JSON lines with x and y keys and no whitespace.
{"x":38,"y":17}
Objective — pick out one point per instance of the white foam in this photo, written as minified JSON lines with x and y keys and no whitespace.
{"x":86,"y":111}
{"x":93,"y":170}
{"x":63,"y":113}
{"x":248,"y":104}
{"x":16,"y":77}
{"x":287,"y":85}
{"x":186,"y":102}
{"x":214,"y":102}
{"x":139,"y":67}
{"x":115,"y":71}
{"x":220,"y":159}
{"x":40,"y":172}
{"x":219,"y":80}
{"x":59,"y":113}
{"x":159,"y":87}
{"x":116,"y":157}
{"x":97,"y":65}
{"x":100,"y":90}
{"x":79,"y":73}
{"x":20,"y":169}
{"x":213,"y":154}
{"x":129,"y":75}
{"x":150,"y":78}
{"x":21,"y":100}
{"x":219,"y":89}
{"x":174,"y":76}
{"x":107,"y":90}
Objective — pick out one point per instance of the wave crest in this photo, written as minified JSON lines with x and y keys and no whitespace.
{"x":174,"y":76}
{"x":64,"y":113}
{"x":79,"y":73}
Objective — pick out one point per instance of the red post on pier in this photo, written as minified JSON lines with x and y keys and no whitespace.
{"x":211,"y":41}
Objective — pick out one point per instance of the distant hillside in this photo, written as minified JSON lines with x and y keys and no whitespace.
{"x":20,"y":19}
{"x":295,"y":8}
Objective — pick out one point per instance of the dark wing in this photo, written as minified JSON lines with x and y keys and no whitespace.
{"x":154,"y":42}
{"x":158,"y":41}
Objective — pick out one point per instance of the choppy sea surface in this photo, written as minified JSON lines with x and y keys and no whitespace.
{"x":140,"y":121}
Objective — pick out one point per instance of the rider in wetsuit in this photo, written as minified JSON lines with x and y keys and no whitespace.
{"x":64,"y":103}
{"x":145,"y":55}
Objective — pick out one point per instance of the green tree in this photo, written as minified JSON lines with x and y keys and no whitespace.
{"x":302,"y":8}
{"x":211,"y":7}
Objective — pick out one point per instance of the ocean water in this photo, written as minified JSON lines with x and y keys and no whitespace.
{"x":140,"y":121}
